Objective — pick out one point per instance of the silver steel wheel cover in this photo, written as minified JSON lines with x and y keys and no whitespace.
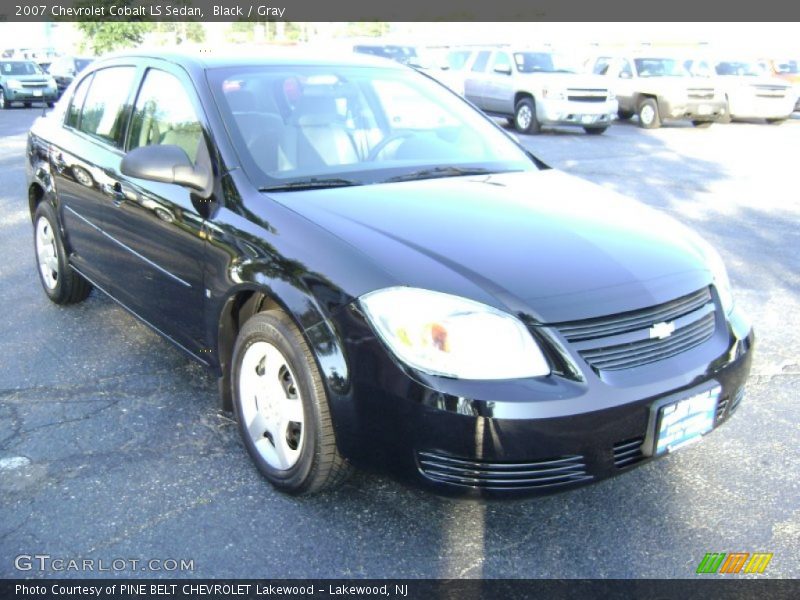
{"x":47,"y":253}
{"x":524,"y":116}
{"x":271,"y":406}
{"x":647,"y":114}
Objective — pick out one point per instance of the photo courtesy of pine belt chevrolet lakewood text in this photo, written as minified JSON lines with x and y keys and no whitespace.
{"x":381,"y":276}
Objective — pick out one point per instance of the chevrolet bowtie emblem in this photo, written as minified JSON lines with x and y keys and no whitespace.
{"x":661,"y":330}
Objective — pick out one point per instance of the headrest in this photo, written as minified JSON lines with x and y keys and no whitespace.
{"x":315,"y":110}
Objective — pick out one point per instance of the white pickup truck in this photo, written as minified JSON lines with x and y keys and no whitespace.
{"x":532,"y":88}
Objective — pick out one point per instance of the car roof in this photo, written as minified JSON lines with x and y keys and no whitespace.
{"x":249,"y":56}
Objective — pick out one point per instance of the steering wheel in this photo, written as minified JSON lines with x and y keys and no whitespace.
{"x":390,"y":139}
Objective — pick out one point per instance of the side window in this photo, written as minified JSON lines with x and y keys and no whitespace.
{"x":164,"y":114}
{"x":104,"y":113}
{"x":78,"y":98}
{"x":502,"y":61}
{"x":479,"y":66}
{"x":601,"y":66}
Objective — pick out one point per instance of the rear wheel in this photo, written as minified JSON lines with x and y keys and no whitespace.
{"x":525,"y":116}
{"x":775,"y":121}
{"x":702,"y":124}
{"x":595,"y":130}
{"x":648,"y":114}
{"x":625,"y":114}
{"x":61,"y":284}
{"x":282,"y":408}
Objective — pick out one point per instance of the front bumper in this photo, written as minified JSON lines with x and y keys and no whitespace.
{"x":583,"y":114}
{"x":753,"y":107}
{"x":519,"y":437}
{"x":31,"y":95}
{"x":711,"y":109}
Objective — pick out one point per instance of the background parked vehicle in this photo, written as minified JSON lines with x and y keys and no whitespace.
{"x":656,"y":87}
{"x":788,"y":70}
{"x":536,"y":87}
{"x":65,"y":68}
{"x":750,"y":93}
{"x":23,"y":81}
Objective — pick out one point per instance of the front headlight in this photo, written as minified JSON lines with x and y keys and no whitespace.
{"x":553,"y":94}
{"x":720,"y":275}
{"x":14,"y":84}
{"x":451,"y":336}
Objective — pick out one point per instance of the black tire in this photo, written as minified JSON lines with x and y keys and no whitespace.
{"x":522,"y":122}
{"x":595,"y":130}
{"x":510,"y":121}
{"x":4,"y":104}
{"x":775,"y":121}
{"x":649,"y":108}
{"x":70,"y":287}
{"x":319,"y":465}
{"x":625,"y":114}
{"x":702,"y":124}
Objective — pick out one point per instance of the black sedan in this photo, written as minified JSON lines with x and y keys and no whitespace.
{"x":381,"y":276}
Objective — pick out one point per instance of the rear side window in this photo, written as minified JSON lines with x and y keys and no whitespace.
{"x":105,"y":109}
{"x":78,"y":98}
{"x":480,"y":61}
{"x":164,"y":114}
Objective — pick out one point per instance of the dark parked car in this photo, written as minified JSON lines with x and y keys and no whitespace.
{"x":379,"y":275}
{"x":23,"y":81}
{"x":65,"y":68}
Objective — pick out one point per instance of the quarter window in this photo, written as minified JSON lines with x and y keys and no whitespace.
{"x":164,"y":114}
{"x":78,"y":98}
{"x":104,"y":112}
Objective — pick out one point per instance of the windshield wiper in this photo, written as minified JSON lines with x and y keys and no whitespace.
{"x":310,"y":184}
{"x":439,"y":172}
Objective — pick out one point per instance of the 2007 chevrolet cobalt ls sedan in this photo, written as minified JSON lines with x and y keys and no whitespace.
{"x":379,"y":275}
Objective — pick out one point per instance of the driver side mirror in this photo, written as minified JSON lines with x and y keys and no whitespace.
{"x":167,"y":164}
{"x":503,"y":69}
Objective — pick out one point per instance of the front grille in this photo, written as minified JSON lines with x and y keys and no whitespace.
{"x":34,"y":85}
{"x":700,"y":94}
{"x":770,"y":91}
{"x":628,"y":452}
{"x":586,"y":95}
{"x":552,"y":472}
{"x":625,"y":341}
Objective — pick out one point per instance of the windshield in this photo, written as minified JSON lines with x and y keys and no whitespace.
{"x":19,"y":68}
{"x":742,"y":68}
{"x":789,"y":67}
{"x":355,"y":125}
{"x":660,"y":67}
{"x":544,"y":62}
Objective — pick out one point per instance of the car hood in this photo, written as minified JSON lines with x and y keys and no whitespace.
{"x":542,"y":244}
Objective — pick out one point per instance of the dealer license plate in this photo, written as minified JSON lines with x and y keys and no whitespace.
{"x":588,"y":119}
{"x":684,"y":422}
{"x":37,"y":93}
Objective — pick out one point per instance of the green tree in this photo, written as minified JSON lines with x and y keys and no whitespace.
{"x":105,"y":36}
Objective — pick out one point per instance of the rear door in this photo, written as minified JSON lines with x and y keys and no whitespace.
{"x":160,"y":225}
{"x":475,"y":78}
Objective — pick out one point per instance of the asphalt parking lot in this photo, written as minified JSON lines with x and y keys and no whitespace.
{"x":111,"y":444}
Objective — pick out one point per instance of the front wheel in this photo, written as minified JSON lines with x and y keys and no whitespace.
{"x":282,"y":408}
{"x":702,"y":124}
{"x":648,"y":114}
{"x":61,"y":284}
{"x":525,"y":119}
